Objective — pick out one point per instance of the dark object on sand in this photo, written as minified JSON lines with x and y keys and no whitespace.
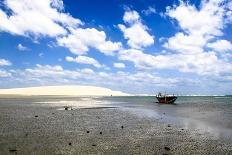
{"x":169,"y":125}
{"x":166,"y":99}
{"x":167,"y":148}
{"x":100,"y":133}
{"x":12,"y":150}
{"x":122,"y":127}
{"x":87,"y":131}
{"x":69,"y":144}
{"x":68,"y":108}
{"x":94,"y":145}
{"x":36,"y":115}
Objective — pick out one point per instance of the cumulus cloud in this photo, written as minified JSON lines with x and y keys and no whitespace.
{"x":190,"y":45}
{"x":4,"y":62}
{"x":186,"y":44}
{"x":131,"y":17}
{"x":201,"y":63}
{"x":140,"y":59}
{"x":80,"y":40}
{"x":84,"y":60}
{"x":206,"y":23}
{"x":36,"y":17}
{"x":119,"y":65}
{"x":22,"y":48}
{"x":136,"y":33}
{"x":48,"y":18}
{"x":220,"y":45}
{"x":208,"y":20}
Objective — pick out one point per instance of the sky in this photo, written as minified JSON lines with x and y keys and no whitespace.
{"x":134,"y":46}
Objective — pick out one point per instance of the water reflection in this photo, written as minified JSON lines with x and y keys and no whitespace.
{"x":78,"y":103}
{"x":204,"y":122}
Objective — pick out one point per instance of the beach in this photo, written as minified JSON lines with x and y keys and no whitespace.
{"x":116,"y":77}
{"x":106,"y":125}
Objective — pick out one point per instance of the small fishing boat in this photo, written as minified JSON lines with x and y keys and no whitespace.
{"x":166,"y":99}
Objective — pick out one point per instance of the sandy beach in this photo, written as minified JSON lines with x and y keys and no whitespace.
{"x":31,"y":126}
{"x":65,"y":90}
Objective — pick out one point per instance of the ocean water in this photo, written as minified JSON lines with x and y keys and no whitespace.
{"x":206,"y":114}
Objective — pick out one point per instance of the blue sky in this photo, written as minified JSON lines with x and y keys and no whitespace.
{"x":182,"y":47}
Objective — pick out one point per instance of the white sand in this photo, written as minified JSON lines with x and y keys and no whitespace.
{"x":71,"y":90}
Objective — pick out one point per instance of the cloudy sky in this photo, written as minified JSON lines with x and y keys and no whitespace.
{"x":135,"y":46}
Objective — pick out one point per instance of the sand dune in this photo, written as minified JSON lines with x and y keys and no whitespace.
{"x":73,"y":90}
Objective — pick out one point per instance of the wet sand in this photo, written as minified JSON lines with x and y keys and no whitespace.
{"x":28,"y":128}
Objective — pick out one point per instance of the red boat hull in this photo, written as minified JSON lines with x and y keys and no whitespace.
{"x":166,"y":99}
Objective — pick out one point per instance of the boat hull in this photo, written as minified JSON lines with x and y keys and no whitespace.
{"x":166,"y":99}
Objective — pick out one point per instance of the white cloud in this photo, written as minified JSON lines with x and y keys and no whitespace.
{"x":131,"y":17}
{"x":140,"y":59}
{"x":208,"y":20}
{"x":229,"y":12}
{"x":4,"y":62}
{"x":45,"y":71}
{"x":103,"y":74}
{"x":119,"y":65}
{"x":206,"y":23}
{"x":149,"y":11}
{"x":69,"y":59}
{"x":55,"y":75}
{"x":4,"y":74}
{"x":57,"y":4}
{"x":36,"y":17}
{"x":41,"y":55}
{"x":220,"y":45}
{"x":80,"y":40}
{"x":136,"y":33}
{"x":189,"y":46}
{"x":201,"y":63}
{"x":47,"y":18}
{"x":22,"y":48}
{"x":87,"y":71}
{"x":186,"y":44}
{"x":84,"y":60}
{"x":136,"y":82}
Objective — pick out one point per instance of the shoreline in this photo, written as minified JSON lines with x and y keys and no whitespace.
{"x":30,"y":128}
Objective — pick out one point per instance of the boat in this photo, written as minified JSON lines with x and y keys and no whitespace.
{"x":166,"y":99}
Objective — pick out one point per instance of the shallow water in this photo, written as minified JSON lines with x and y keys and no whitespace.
{"x":208,"y":114}
{"x":212,"y":114}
